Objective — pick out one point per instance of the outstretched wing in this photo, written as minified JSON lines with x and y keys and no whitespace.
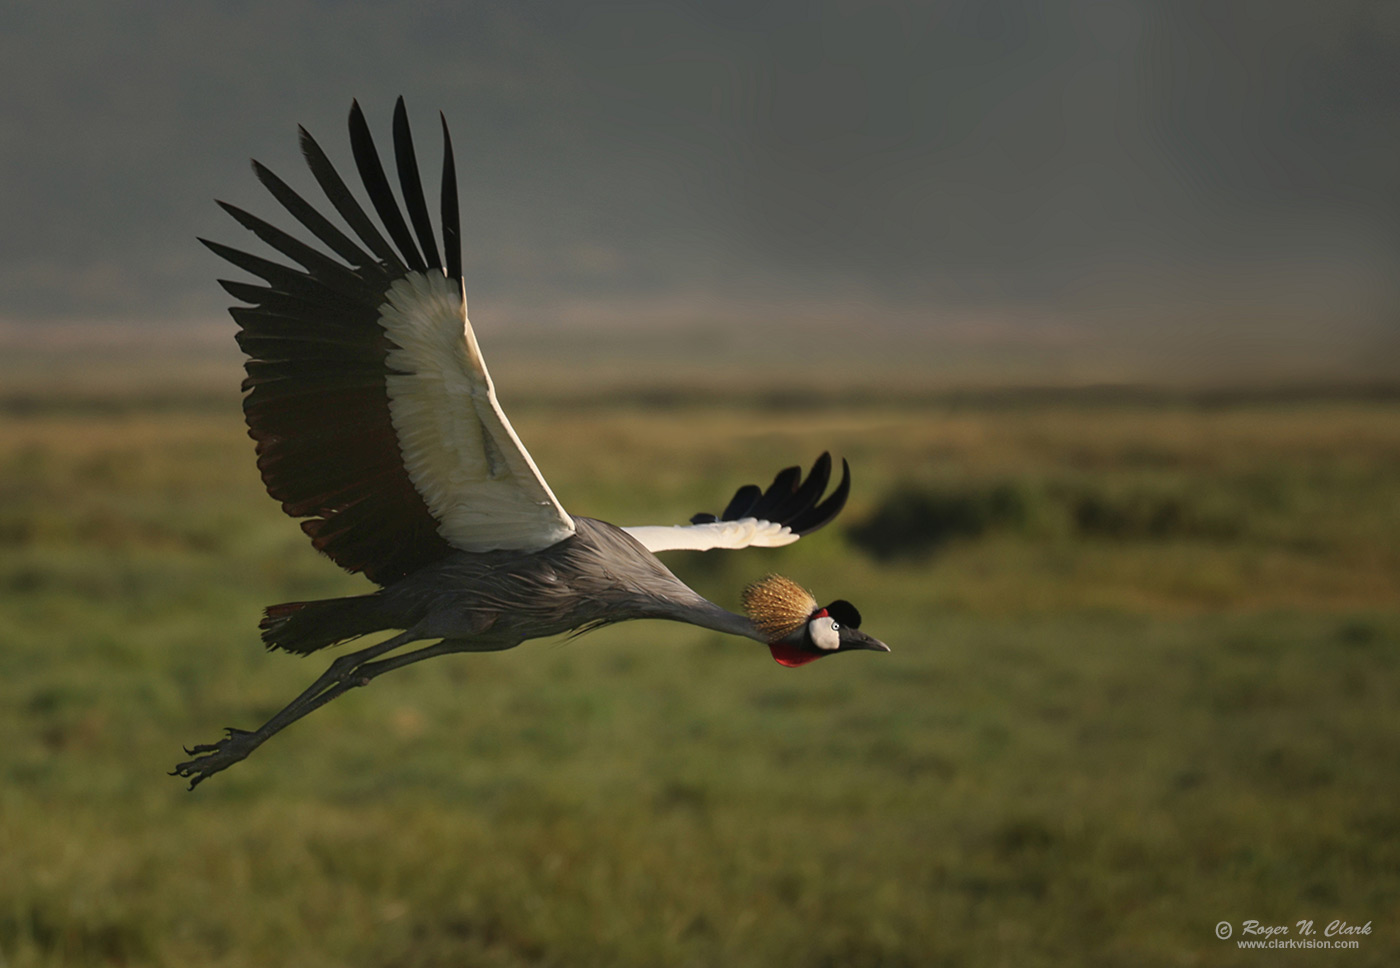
{"x":754,"y":518}
{"x":373,"y":412}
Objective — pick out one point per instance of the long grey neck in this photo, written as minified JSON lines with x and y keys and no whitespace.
{"x":706,"y":614}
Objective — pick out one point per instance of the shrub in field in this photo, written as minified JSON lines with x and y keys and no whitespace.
{"x":914,"y":522}
{"x":1098,"y":512}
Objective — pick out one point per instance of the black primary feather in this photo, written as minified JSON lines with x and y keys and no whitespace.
{"x":339,"y":196}
{"x":377,"y":185}
{"x":821,"y":515}
{"x":789,"y":500}
{"x":412,"y":186}
{"x":775,"y":500}
{"x":316,"y":399}
{"x":315,"y":223}
{"x":451,"y":219}
{"x":738,"y":507}
{"x":315,"y":263}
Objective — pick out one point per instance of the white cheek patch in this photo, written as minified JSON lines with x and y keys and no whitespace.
{"x":824,"y":634}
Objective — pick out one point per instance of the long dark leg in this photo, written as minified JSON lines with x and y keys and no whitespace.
{"x":344,"y":673}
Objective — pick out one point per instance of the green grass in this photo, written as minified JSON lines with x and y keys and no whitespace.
{"x":1090,"y":745}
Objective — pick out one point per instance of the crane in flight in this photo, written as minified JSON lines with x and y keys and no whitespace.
{"x":377,"y":423}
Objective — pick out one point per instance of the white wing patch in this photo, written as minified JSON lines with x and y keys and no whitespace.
{"x":460,"y":451}
{"x":744,"y":533}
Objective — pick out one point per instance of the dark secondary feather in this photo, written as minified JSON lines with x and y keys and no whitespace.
{"x":789,"y":499}
{"x":316,"y":399}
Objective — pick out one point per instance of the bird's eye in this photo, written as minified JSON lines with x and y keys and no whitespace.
{"x":835,"y":626}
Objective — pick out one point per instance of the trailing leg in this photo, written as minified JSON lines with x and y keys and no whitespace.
{"x":344,"y":673}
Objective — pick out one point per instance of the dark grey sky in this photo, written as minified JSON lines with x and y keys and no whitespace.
{"x":1125,"y":164}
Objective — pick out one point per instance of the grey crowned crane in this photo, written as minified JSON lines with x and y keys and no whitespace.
{"x":377,"y":423}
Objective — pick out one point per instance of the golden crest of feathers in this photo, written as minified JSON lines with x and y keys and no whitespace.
{"x":778,"y":605}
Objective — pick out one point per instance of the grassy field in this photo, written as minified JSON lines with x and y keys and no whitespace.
{"x":1144,"y":680}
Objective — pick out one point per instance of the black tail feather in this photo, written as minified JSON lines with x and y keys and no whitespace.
{"x":304,"y":627}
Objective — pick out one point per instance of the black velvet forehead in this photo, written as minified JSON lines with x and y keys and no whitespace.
{"x":845,"y":613}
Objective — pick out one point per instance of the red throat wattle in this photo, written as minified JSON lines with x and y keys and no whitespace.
{"x":790,"y":655}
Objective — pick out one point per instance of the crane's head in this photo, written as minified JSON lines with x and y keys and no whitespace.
{"x":797,"y":628}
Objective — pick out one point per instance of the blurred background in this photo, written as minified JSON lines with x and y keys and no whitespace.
{"x":1099,"y":299}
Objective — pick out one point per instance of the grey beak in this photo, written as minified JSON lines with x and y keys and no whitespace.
{"x":859,"y":640}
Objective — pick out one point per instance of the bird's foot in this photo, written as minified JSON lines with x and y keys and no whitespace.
{"x":210,"y":758}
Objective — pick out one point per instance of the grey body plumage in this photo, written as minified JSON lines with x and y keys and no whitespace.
{"x":598,"y":576}
{"x":376,"y":422}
